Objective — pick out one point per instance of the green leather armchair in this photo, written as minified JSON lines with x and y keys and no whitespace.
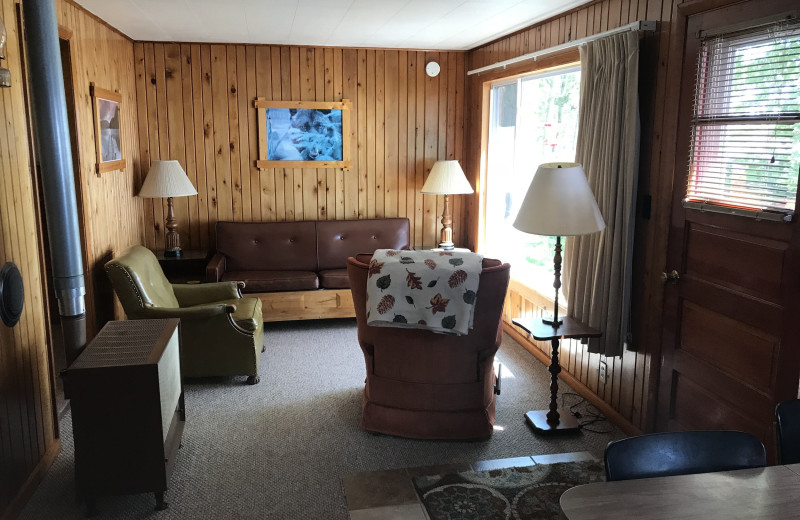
{"x":221,"y":332}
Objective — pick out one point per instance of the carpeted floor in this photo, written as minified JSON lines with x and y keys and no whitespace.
{"x":277,"y":450}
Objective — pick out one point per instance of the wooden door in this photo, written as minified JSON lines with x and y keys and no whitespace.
{"x":731,"y":329}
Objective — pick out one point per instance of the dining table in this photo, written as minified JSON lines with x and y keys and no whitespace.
{"x":772,"y":492}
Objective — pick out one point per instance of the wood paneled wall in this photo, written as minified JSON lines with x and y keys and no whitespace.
{"x":628,"y":390}
{"x":27,"y":431}
{"x":196,"y":106}
{"x":112,"y":221}
{"x":112,"y":214}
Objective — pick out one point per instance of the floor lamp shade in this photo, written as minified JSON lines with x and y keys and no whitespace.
{"x":559,"y":203}
{"x":446,"y":178}
{"x":166,"y":179}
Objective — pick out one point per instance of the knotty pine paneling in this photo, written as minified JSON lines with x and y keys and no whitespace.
{"x":112,"y":221}
{"x":112,"y":214}
{"x":195,"y":104}
{"x":629,"y":388}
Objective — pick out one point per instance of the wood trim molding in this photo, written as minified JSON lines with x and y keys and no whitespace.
{"x":99,"y":20}
{"x":584,"y":391}
{"x":64,"y":33}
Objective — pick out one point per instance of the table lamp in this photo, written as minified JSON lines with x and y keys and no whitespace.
{"x":559,"y":203}
{"x":446,"y":178}
{"x":167,"y":179}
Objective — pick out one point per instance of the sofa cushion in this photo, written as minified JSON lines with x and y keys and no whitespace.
{"x":272,"y":281}
{"x":248,"y":312}
{"x":334,"y":279}
{"x":339,"y":239}
{"x":272,"y":246}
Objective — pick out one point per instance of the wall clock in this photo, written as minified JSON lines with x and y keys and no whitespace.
{"x":432,"y":69}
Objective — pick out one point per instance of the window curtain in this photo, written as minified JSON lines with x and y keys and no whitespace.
{"x":597,"y":267}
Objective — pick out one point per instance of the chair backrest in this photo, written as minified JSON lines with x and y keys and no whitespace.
{"x":268,"y":246}
{"x":788,"y":430}
{"x":682,"y":453}
{"x":137,"y":279}
{"x":422,"y":355}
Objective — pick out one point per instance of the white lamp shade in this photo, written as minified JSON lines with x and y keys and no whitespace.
{"x":446,"y":178}
{"x":166,"y":179}
{"x":559,"y":202}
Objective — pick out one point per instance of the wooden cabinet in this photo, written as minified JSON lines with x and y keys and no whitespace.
{"x":127,"y":409}
{"x":190,"y":267}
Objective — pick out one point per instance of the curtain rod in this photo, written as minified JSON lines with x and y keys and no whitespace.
{"x":635,"y":26}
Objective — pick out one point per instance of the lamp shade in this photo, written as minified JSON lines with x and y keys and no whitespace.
{"x":446,"y":178}
{"x":559,"y":202}
{"x":166,"y":179}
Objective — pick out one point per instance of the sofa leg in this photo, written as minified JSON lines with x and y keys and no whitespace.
{"x":263,"y":348}
{"x":253,"y":380}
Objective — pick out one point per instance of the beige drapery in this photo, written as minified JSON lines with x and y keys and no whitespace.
{"x":597,"y":270}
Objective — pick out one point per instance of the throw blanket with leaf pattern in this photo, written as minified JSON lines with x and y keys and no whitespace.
{"x":433,"y":290}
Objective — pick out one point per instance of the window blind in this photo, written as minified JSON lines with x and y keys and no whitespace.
{"x":745,"y":146}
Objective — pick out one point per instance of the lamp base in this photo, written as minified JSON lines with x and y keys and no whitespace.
{"x":566,"y":423}
{"x":174,"y":253}
{"x":549,"y":320}
{"x":447,"y":246}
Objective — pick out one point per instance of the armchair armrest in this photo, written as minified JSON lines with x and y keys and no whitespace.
{"x":189,"y":295}
{"x":196,"y":312}
{"x":215,"y":268}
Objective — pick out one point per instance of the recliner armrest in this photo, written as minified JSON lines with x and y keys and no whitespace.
{"x":198,"y":294}
{"x":215,"y":268}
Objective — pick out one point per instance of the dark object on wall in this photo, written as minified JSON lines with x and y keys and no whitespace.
{"x":787,"y":415}
{"x":12,"y":294}
{"x":127,"y":409}
{"x":682,"y":453}
{"x":49,"y":104}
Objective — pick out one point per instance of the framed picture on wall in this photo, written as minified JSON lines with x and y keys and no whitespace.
{"x":107,"y":129}
{"x":303,"y":134}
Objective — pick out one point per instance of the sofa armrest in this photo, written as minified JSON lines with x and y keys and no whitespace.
{"x":196,"y":312}
{"x":215,"y":268}
{"x":189,"y":295}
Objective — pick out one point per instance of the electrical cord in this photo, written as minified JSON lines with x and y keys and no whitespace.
{"x":589,"y":415}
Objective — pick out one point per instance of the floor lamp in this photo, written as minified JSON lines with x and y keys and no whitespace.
{"x":559,"y":203}
{"x":166,"y":179}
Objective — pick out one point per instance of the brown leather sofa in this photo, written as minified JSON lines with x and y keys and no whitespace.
{"x":426,"y":385}
{"x":298,"y":269}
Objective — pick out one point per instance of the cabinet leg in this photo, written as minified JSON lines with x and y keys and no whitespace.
{"x":160,"y":504}
{"x":253,"y":380}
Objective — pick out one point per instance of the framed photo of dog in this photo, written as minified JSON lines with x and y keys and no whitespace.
{"x":107,"y":129}
{"x":303,"y":134}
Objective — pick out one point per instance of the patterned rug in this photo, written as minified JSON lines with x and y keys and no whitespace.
{"x":528,"y":493}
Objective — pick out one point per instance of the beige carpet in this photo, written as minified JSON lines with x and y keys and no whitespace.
{"x":277,"y":450}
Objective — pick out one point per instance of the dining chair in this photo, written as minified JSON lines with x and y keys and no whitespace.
{"x":682,"y":453}
{"x":787,"y":415}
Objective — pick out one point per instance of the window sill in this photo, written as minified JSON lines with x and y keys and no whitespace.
{"x":535,"y":297}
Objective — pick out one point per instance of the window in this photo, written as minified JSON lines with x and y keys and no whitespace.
{"x":532,"y":120}
{"x":745,"y":148}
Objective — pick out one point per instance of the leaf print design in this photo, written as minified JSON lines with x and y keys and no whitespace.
{"x":422,"y":322}
{"x":386,"y":304}
{"x":410,"y":300}
{"x":469,"y":297}
{"x":445,"y":253}
{"x":399,"y":318}
{"x":406,"y":260}
{"x":392,"y":252}
{"x":438,"y":304}
{"x":430,"y":263}
{"x":414,"y":281}
{"x":374,"y":267}
{"x":384,"y":282}
{"x":457,"y":278}
{"x":449,"y":322}
{"x":432,"y":282}
{"x":456,"y":261}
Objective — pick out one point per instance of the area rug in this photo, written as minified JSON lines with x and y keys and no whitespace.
{"x":526,"y":493}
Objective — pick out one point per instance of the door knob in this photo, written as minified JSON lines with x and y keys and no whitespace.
{"x":671,"y":277}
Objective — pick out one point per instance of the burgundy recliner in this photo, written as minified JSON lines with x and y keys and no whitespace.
{"x":431,"y":386}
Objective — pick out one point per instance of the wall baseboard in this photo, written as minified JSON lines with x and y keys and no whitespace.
{"x":584,"y":391}
{"x":37,"y":475}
